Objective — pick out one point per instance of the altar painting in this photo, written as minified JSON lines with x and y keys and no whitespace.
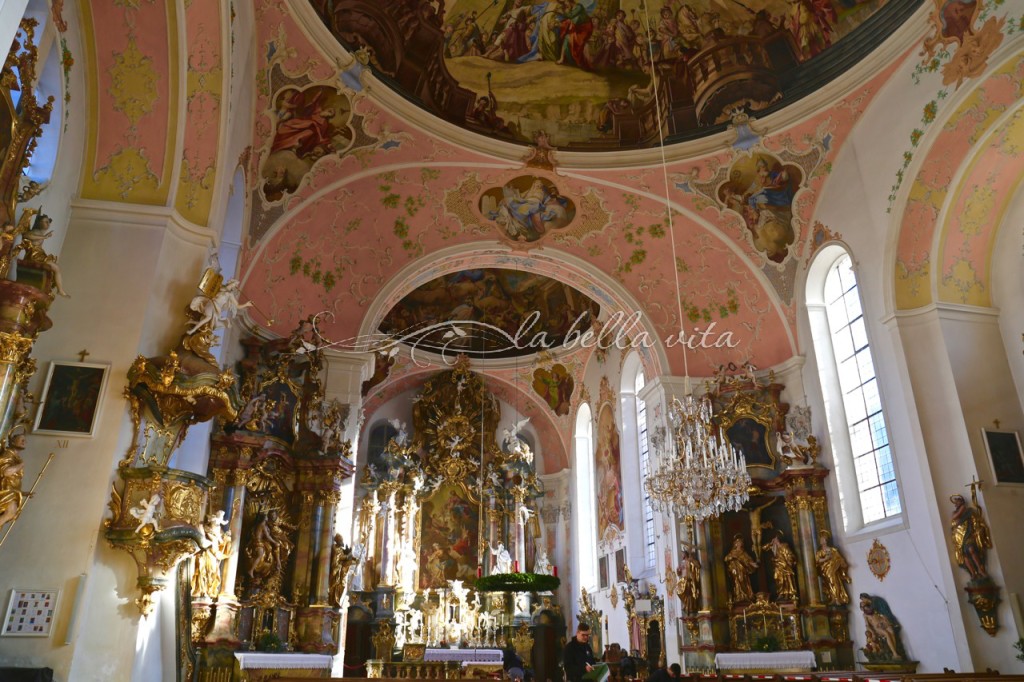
{"x":448,"y":542}
{"x":610,"y":514}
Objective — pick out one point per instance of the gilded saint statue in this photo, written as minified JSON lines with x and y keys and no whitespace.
{"x":11,"y":471}
{"x":783,"y":567}
{"x":833,"y":569}
{"x":343,"y":558}
{"x":971,"y":538}
{"x":215,"y":546}
{"x":740,"y":565}
{"x":688,"y":587}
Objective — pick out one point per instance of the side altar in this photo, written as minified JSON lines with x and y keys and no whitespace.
{"x":449,"y":540}
{"x":765,"y":578}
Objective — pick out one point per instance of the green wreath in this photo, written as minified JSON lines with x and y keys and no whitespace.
{"x":517,"y":582}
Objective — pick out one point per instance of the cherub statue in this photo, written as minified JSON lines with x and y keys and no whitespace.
{"x":34,"y":255}
{"x":503,"y":560}
{"x":148,"y":513}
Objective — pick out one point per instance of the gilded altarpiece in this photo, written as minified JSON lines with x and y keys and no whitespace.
{"x":769,"y":577}
{"x":441,"y":507}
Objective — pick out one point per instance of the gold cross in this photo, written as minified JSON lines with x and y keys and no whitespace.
{"x":82,"y":354}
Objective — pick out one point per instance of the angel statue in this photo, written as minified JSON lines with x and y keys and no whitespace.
{"x":220,"y":309}
{"x":512,"y":444}
{"x":503,"y":560}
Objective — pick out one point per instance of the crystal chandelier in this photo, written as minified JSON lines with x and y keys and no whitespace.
{"x":698,"y":473}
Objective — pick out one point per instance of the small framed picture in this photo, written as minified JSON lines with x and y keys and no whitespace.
{"x":71,"y":399}
{"x":620,"y":565}
{"x":30,"y":613}
{"x":602,"y":570}
{"x":1005,"y":456}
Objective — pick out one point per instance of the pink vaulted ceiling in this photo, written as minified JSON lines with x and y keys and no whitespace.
{"x":404,"y":198}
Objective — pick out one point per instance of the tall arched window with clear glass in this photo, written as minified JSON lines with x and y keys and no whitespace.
{"x":864,"y":464}
{"x":586,"y":518}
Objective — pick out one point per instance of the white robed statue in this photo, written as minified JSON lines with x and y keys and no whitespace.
{"x":502,"y":559}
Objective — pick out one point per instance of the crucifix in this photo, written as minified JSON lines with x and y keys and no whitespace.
{"x":82,"y":354}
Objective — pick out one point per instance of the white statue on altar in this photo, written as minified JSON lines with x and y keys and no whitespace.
{"x":503,"y":560}
{"x":415,"y":626}
{"x":541,"y":563}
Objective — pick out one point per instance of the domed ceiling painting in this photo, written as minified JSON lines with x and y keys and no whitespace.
{"x":489,"y":313}
{"x":581,"y":72}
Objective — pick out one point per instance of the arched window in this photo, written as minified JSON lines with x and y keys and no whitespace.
{"x":380,"y":435}
{"x":644,"y":448}
{"x":48,"y":83}
{"x":586,"y":518}
{"x":865,"y":469}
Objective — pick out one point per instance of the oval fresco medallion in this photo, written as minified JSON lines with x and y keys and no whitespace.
{"x":527,"y":208}
{"x":310,"y":124}
{"x":489,"y":313}
{"x":760,"y":189}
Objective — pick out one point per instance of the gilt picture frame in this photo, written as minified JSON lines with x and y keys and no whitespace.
{"x":1005,"y":456}
{"x":72,"y":398}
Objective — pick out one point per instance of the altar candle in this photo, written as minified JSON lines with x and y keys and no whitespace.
{"x":516,"y":567}
{"x":744,"y":618}
{"x":554,"y":571}
{"x":479,"y":571}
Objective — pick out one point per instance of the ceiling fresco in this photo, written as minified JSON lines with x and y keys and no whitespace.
{"x":490,"y":313}
{"x":580,"y":72}
{"x":366,"y":226}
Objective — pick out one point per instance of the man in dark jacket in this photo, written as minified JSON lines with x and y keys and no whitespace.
{"x":578,"y":657}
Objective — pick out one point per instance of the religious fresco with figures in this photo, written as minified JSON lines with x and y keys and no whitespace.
{"x":761,"y":189}
{"x":527,"y":208}
{"x":503,"y":312}
{"x":310,"y":124}
{"x":581,"y":72}
{"x":611,"y":516}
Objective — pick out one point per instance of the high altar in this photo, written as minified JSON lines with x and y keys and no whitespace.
{"x":442,"y":511}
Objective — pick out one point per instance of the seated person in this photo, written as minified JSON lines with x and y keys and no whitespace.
{"x":666,"y":674}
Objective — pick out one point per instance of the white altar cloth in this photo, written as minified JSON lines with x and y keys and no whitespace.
{"x":777,"y":661}
{"x":464,"y":655}
{"x":257,"y":660}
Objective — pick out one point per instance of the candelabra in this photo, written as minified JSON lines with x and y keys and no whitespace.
{"x":698,"y":472}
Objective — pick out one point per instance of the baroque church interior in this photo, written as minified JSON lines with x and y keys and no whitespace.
{"x":349,"y":338}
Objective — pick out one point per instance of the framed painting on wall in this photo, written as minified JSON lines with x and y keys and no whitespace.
{"x":620,"y":565}
{"x":30,"y":613}
{"x":71,"y":399}
{"x":1005,"y":456}
{"x":602,"y":571}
